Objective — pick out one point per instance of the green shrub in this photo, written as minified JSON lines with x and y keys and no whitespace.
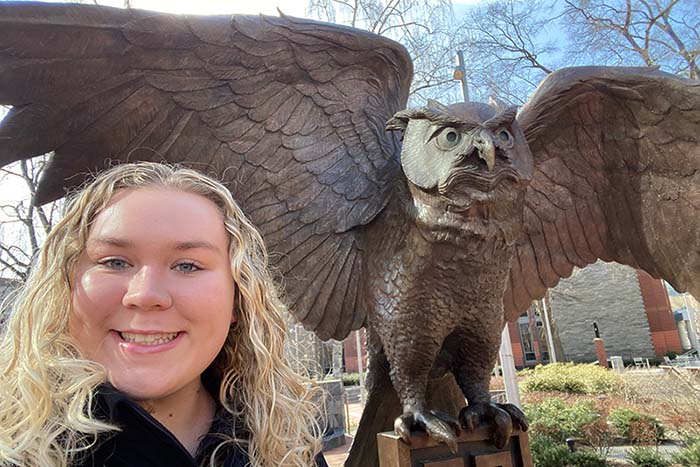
{"x":548,"y":453}
{"x":638,"y":427}
{"x":690,"y":455}
{"x":351,"y":379}
{"x":587,"y":458}
{"x":571,"y":378}
{"x":647,"y":457}
{"x":560,"y":420}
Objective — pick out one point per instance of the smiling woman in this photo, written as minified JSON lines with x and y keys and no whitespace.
{"x":150,"y":333}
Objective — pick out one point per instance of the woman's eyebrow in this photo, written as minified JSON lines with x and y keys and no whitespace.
{"x":181,"y":246}
{"x":112,"y":241}
{"x":189,"y":245}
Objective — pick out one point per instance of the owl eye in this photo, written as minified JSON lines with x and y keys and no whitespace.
{"x":506,"y":138}
{"x":448,"y":138}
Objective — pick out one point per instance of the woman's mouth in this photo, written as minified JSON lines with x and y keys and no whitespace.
{"x":148,"y":339}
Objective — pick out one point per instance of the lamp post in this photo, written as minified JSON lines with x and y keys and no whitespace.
{"x":550,"y":336}
{"x":460,"y":74}
{"x":692,"y":325}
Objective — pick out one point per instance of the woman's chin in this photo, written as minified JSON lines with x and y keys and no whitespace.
{"x":142,"y":387}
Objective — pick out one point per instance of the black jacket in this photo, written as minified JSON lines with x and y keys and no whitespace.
{"x":144,"y":442}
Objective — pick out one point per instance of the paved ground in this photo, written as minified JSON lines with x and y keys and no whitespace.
{"x":336,"y":457}
{"x":622,"y":452}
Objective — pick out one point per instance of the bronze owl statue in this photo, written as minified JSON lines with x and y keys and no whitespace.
{"x":431,"y":243}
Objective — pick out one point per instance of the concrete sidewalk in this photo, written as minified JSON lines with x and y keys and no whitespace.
{"x":336,"y":457}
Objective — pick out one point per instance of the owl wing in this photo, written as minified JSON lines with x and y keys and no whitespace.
{"x":289,"y":113}
{"x":617,"y":178}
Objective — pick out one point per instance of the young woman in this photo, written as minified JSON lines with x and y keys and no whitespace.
{"x":150,"y":333}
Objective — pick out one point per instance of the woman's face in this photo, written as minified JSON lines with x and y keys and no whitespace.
{"x":152,"y":297}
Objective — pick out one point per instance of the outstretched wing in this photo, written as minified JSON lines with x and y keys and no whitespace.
{"x":289,"y":113}
{"x":617,"y":177}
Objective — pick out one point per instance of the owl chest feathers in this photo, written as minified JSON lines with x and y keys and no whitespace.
{"x":418,"y":276}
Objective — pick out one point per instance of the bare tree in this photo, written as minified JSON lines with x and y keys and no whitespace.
{"x":23,"y":226}
{"x":426,"y":28}
{"x":663,"y":33}
{"x":510,"y":45}
{"x":508,"y":48}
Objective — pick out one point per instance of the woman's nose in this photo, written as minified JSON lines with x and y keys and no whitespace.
{"x":147,"y":290}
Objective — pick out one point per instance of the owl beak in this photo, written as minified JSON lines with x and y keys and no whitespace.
{"x":487,"y":150}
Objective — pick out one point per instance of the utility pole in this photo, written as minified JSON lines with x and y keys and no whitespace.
{"x":510,"y":379}
{"x":692,"y":325}
{"x":548,"y":327}
{"x":360,"y":367}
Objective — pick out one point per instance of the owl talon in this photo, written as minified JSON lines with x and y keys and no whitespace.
{"x":501,"y":417}
{"x":516,"y":415}
{"x":439,"y":426}
{"x":402,"y":426}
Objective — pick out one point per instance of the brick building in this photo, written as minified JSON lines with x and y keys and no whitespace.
{"x":350,"y":351}
{"x":632,"y":311}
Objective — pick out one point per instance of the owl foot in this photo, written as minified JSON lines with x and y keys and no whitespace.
{"x":501,"y":417}
{"x":441,"y":427}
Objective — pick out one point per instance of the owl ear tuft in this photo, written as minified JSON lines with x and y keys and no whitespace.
{"x":498,"y":104}
{"x":436,"y":106}
{"x":399,"y":121}
{"x":432,"y":111}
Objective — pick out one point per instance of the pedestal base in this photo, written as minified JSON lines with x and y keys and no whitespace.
{"x":474,"y":450}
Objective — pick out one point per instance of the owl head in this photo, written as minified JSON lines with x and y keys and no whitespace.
{"x":463,"y":151}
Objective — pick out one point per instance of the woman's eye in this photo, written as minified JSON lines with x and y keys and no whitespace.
{"x":187,"y":267}
{"x":448,"y":138}
{"x":115,"y":263}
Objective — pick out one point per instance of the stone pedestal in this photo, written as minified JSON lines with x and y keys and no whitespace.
{"x":474,"y":450}
{"x":334,"y":408}
{"x":600,"y":352}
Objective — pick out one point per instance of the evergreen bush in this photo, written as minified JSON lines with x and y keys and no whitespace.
{"x":560,"y":420}
{"x":647,"y":457}
{"x":572,"y":378}
{"x":547,"y":452}
{"x":639,"y":428}
{"x":587,"y":458}
{"x":690,"y":455}
{"x":351,"y":379}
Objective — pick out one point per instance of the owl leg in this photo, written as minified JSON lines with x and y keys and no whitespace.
{"x":410,"y":368}
{"x":473,"y":375}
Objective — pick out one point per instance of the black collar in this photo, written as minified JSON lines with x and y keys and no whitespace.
{"x":144,"y":441}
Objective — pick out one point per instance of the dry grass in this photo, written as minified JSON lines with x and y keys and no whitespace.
{"x":672,"y":395}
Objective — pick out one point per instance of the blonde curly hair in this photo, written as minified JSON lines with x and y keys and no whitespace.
{"x":47,"y":387}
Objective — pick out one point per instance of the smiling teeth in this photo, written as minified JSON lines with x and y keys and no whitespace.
{"x":148,"y":339}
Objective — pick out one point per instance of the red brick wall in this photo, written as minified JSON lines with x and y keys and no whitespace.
{"x":515,"y":343}
{"x":349,"y":346}
{"x":664,"y":333}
